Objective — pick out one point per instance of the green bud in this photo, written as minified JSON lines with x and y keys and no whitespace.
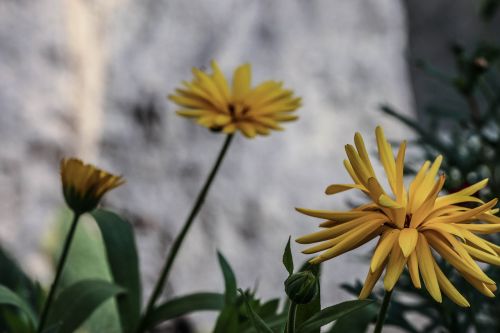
{"x":302,"y":287}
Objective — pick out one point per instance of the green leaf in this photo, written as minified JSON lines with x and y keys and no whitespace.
{"x":184,"y":305}
{"x":229,"y":279}
{"x":77,"y":302}
{"x":287,"y":258}
{"x":270,"y":307}
{"x":121,"y":250}
{"x":275,"y":322}
{"x":227,"y":321}
{"x":15,"y":279}
{"x":15,"y":321}
{"x":357,"y":321}
{"x":53,"y":328}
{"x":86,"y":260}
{"x":331,"y":313}
{"x":8,"y":297}
{"x":256,"y":320}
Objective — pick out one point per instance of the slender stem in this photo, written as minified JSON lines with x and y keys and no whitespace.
{"x":60,"y":266}
{"x":290,"y":326}
{"x":180,"y":237}
{"x":383,"y":312}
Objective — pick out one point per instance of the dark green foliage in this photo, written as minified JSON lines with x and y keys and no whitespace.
{"x":13,"y":278}
{"x":331,"y":313}
{"x":243,"y":312}
{"x":77,"y":302}
{"x":121,"y":252}
{"x":287,"y":258}
{"x":184,"y":305}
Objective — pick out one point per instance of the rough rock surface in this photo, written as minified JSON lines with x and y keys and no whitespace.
{"x":89,"y":78}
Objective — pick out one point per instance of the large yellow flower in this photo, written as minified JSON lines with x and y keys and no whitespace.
{"x":84,"y":184}
{"x":409,"y":223}
{"x":215,"y":105}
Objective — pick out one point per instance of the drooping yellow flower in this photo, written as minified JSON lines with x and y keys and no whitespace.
{"x":84,"y":185}
{"x":210,"y":100}
{"x":409,"y":223}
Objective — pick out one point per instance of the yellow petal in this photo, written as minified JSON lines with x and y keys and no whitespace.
{"x":383,"y":248}
{"x":358,"y":166}
{"x":454,"y":259}
{"x":482,"y":256}
{"x":220,"y":81}
{"x":482,"y":287}
{"x":470,"y":190}
{"x":482,"y":228}
{"x":427,"y":204}
{"x":363,"y":154}
{"x":394,"y":267}
{"x":469,"y":214}
{"x":241,"y":81}
{"x":400,"y":190}
{"x":426,"y":265}
{"x":449,"y":289}
{"x":332,"y":215}
{"x":349,"y":242}
{"x":351,"y":172}
{"x":371,"y":279}
{"x":452,"y":199}
{"x":476,"y":241}
{"x":247,"y":129}
{"x":408,"y":240}
{"x":415,"y":184}
{"x":336,"y":230}
{"x":444,"y":228}
{"x":337,"y":188}
{"x":386,"y":155}
{"x":413,"y":269}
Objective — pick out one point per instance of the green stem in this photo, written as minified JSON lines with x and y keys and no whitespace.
{"x":290,"y":326}
{"x":180,"y":237}
{"x":383,"y":312}
{"x":60,"y":266}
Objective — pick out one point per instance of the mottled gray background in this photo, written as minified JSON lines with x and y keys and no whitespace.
{"x":89,"y":78}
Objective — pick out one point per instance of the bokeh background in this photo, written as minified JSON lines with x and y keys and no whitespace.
{"x":89,"y":78}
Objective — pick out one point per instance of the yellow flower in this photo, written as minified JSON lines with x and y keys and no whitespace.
{"x":84,"y":184}
{"x":215,"y":105}
{"x":409,"y":222}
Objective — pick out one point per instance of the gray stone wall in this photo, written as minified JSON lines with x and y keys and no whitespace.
{"x":89,"y":78}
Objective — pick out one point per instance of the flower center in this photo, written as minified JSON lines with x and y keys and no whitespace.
{"x":407,"y":220}
{"x":236,"y":112}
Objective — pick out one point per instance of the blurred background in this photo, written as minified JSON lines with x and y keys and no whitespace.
{"x":90,"y":79}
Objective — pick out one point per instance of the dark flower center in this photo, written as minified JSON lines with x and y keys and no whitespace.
{"x":407,"y":220}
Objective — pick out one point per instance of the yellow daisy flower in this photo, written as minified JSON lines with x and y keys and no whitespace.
{"x":84,"y":185}
{"x":409,"y":223}
{"x":215,"y":105}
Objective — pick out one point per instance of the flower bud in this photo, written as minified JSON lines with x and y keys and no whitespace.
{"x":84,"y":185}
{"x":301,"y":287}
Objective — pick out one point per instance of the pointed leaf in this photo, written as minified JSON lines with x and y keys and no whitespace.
{"x":8,"y":297}
{"x":357,"y":321}
{"x":184,"y":305}
{"x":227,"y":321}
{"x":256,"y":320}
{"x":331,"y":313}
{"x":287,"y":258}
{"x":229,"y":279}
{"x":121,"y":251}
{"x":77,"y":302}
